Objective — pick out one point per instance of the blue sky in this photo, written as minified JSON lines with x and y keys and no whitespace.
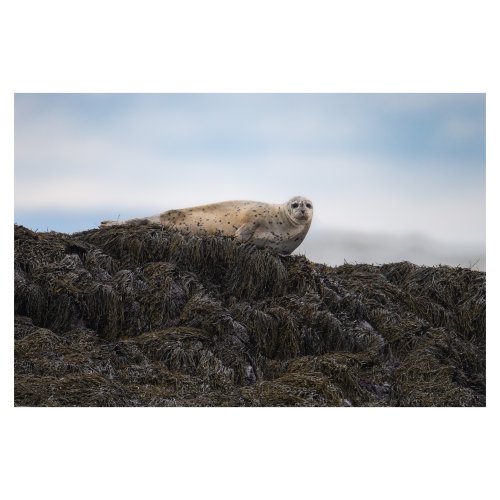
{"x":379,"y":163}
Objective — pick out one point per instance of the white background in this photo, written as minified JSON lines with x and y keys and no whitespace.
{"x":224,"y":46}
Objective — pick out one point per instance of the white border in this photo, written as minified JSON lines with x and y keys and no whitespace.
{"x":223,"y":46}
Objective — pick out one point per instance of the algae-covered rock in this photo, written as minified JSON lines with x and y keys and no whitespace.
{"x":146,"y":316}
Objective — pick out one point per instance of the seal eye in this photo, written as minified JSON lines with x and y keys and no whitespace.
{"x":308,"y":205}
{"x":295,"y":205}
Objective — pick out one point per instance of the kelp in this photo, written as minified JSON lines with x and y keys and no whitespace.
{"x":147,"y":316}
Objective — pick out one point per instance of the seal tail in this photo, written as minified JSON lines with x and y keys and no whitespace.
{"x":132,"y":222}
{"x":107,"y":223}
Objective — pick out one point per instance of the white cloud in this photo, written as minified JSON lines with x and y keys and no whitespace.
{"x":348,"y":193}
{"x":65,"y":164}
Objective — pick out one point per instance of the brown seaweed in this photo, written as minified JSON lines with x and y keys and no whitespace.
{"x":146,"y":316}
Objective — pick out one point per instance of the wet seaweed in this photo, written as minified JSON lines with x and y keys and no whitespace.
{"x":147,"y":316}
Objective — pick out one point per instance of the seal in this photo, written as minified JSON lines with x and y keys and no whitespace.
{"x":282,"y":227}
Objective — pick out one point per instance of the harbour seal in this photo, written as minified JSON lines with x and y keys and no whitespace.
{"x":282,"y":227}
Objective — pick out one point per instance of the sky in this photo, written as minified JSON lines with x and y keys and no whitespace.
{"x":395,"y":164}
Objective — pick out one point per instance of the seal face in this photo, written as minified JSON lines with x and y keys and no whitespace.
{"x":300,"y":209}
{"x":282,"y":227}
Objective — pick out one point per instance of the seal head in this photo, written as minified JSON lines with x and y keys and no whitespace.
{"x":299,"y":210}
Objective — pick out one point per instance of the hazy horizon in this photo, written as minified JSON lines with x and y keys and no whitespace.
{"x":324,"y":246}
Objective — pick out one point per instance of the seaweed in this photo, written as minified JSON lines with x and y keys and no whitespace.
{"x":148,"y":316}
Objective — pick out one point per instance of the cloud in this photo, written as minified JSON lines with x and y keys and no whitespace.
{"x":348,"y":192}
{"x":147,"y":154}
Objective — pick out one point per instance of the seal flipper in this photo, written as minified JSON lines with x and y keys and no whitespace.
{"x":134,"y":222}
{"x":107,"y":223}
{"x":138,"y":222}
{"x":245,"y":233}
